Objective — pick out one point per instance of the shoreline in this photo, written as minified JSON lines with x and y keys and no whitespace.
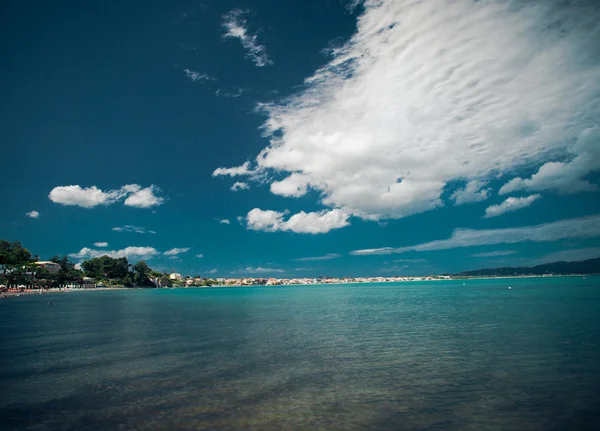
{"x":4,"y":295}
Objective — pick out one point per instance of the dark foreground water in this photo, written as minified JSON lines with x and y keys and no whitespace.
{"x":413,"y":356}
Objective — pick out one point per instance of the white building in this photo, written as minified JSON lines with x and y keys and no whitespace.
{"x":175,"y":276}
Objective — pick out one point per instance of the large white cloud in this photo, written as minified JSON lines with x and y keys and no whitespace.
{"x":132,"y":252}
{"x":510,"y":204}
{"x":302,"y":222}
{"x":89,"y":197}
{"x":582,"y":227}
{"x":430,"y":92}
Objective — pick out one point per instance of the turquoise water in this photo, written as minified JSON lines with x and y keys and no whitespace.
{"x":407,"y":356}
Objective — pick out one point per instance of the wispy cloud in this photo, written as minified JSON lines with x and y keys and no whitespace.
{"x":90,"y":197}
{"x":243,"y":169}
{"x":101,"y":244}
{"x":197,"y":76}
{"x":224,"y":221}
{"x":260,"y":270}
{"x":410,"y":260}
{"x":200,"y":256}
{"x":238,"y":185}
{"x":582,"y":227}
{"x":423,"y":96}
{"x":472,"y":192}
{"x":175,"y":251}
{"x":33,"y":214}
{"x":236,"y":26}
{"x":230,"y":94}
{"x":131,"y":228}
{"x":572,"y":255}
{"x":213,"y":271}
{"x":328,"y":256}
{"x":495,"y":253}
{"x":510,"y":204}
{"x":132,"y":252}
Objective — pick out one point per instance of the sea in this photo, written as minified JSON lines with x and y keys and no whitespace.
{"x":437,"y":355}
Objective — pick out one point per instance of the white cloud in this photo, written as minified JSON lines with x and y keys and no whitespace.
{"x":410,"y":260}
{"x":101,"y":244}
{"x":144,"y":198}
{"x":328,"y":256}
{"x":473,"y":192}
{"x":33,"y":214}
{"x":582,"y":227}
{"x":565,"y":177}
{"x":224,"y":221}
{"x":89,"y":197}
{"x":213,"y":271}
{"x":302,"y":222}
{"x":495,"y":253}
{"x":427,"y":93}
{"x":133,"y":252}
{"x":200,"y":256}
{"x":78,"y":266}
{"x":239,"y":186}
{"x":572,"y":255}
{"x":260,"y":270}
{"x":510,"y":204}
{"x":236,"y":26}
{"x":175,"y":251}
{"x":197,"y":76}
{"x":235,"y":171}
{"x":130,"y":228}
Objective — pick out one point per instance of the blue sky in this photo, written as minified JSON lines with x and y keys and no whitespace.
{"x":302,"y":138}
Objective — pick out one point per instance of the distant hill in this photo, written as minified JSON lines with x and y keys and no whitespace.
{"x":590,"y":266}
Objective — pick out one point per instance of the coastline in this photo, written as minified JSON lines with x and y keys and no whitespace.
{"x":4,"y":295}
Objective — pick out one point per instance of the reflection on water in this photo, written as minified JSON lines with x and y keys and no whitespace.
{"x":435,"y":356}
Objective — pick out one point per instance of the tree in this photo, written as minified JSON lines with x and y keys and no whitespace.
{"x":141,"y":270}
{"x":12,"y":255}
{"x":67,"y":273}
{"x":106,"y":267}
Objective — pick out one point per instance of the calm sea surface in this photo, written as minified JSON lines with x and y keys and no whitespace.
{"x":410,"y":356}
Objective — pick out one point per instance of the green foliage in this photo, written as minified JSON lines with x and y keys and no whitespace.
{"x":106,"y":267}
{"x":13,"y":253}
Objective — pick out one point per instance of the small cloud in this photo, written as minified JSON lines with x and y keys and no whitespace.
{"x":236,"y":26}
{"x":33,"y":214}
{"x":509,"y":205}
{"x":239,"y":186}
{"x":213,"y":271}
{"x":224,"y":221}
{"x":200,"y":256}
{"x":101,"y":244}
{"x":410,"y":260}
{"x":328,"y":256}
{"x":197,"y":76}
{"x":78,"y":266}
{"x":175,"y":251}
{"x":495,"y":253}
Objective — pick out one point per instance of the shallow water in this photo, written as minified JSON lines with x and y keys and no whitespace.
{"x":407,"y":356}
